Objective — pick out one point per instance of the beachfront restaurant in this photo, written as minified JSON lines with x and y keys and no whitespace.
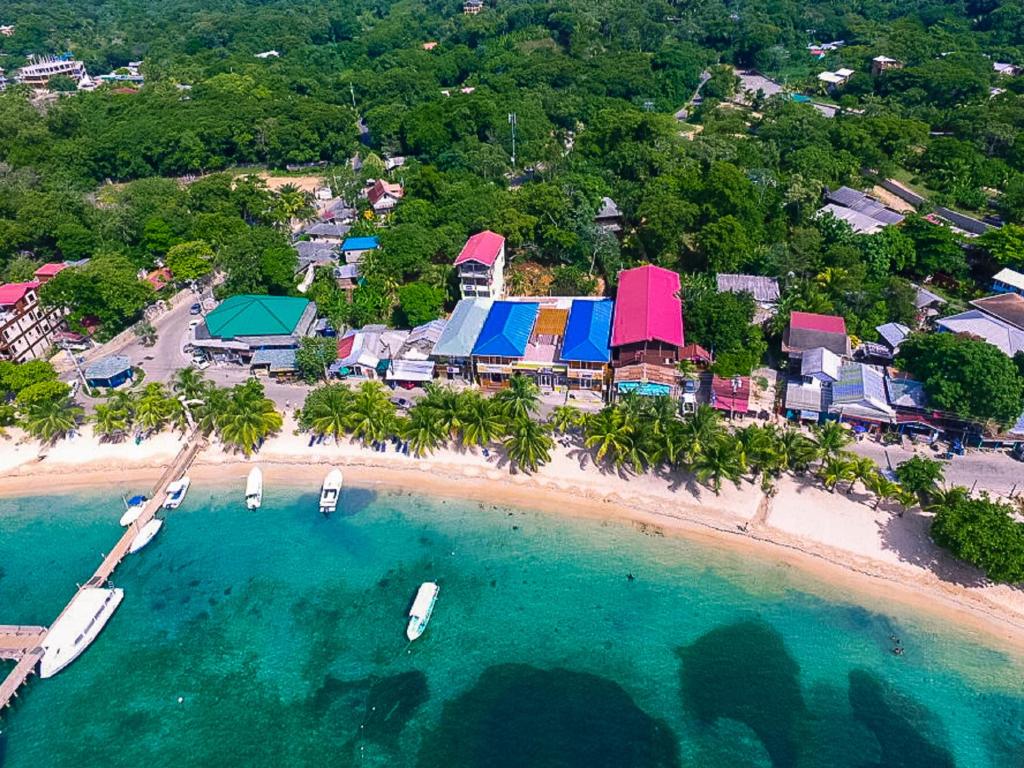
{"x":541,"y":360}
{"x":586,"y":346}
{"x":242,"y":325}
{"x":453,"y":352}
{"x":503,"y":340}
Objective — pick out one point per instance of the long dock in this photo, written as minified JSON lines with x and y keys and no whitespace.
{"x":23,"y":643}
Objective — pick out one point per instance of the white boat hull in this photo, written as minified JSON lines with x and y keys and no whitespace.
{"x":422,"y":609}
{"x":330,"y":492}
{"x":77,"y":627}
{"x":176,"y":493}
{"x":254,"y":489}
{"x":145,"y":535}
{"x":132,"y":514}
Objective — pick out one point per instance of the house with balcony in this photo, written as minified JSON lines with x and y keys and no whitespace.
{"x":354,"y":249}
{"x":453,"y":352}
{"x":27,"y":330}
{"x":586,"y":345}
{"x":481,"y":266}
{"x":38,"y":73}
{"x":541,"y":360}
{"x":384,"y":196}
{"x":503,"y":341}
{"x":809,"y":330}
{"x":647,"y":331}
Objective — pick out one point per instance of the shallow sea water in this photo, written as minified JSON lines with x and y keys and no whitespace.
{"x":283,"y":634}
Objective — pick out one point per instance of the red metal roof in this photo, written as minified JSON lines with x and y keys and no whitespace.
{"x":381,"y":188}
{"x":12,"y":293}
{"x":731,"y":394}
{"x":483,"y":247}
{"x":345,"y":346}
{"x":158,"y":278}
{"x":648,"y":307}
{"x":695,"y":352}
{"x":809,"y":321}
{"x":50,"y":269}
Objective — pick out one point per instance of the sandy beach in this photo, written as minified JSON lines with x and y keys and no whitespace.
{"x":832,"y":543}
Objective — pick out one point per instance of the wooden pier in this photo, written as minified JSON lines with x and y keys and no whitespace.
{"x":23,"y":643}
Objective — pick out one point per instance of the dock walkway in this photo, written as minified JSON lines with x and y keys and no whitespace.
{"x":23,"y":643}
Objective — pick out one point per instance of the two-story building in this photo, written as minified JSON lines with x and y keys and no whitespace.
{"x":453,"y":351}
{"x":647,"y":331}
{"x":27,"y":330}
{"x":481,"y":266}
{"x":503,"y":340}
{"x":586,"y":346}
{"x":38,"y":73}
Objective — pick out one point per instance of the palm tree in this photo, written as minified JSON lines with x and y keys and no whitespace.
{"x":519,"y":399}
{"x":372,"y":415}
{"x":796,"y":450}
{"x":154,"y":408}
{"x":717,"y":460}
{"x":834,"y":470}
{"x":51,"y":420}
{"x":481,"y":422}
{"x":447,"y":406}
{"x":608,"y":432}
{"x":528,"y":444}
{"x":111,"y":422}
{"x":189,"y":383}
{"x":216,"y":401}
{"x":941,"y":497}
{"x":249,"y":418}
{"x":327,"y":410}
{"x":862,"y":467}
{"x":880,"y":487}
{"x":423,"y":431}
{"x":565,"y":418}
{"x":687,"y":369}
{"x":702,"y":427}
{"x":761,"y":449}
{"x":830,"y":437}
{"x":146,"y":333}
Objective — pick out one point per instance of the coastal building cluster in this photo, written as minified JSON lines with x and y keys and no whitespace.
{"x":41,"y":70}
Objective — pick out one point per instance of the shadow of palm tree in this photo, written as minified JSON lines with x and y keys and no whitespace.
{"x":909,"y":538}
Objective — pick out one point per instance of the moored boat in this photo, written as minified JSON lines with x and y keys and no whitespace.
{"x":135,"y":506}
{"x":145,"y":535}
{"x":176,"y":493}
{"x":254,"y":489}
{"x":81,"y":622}
{"x":330,"y":492}
{"x":422,"y":608}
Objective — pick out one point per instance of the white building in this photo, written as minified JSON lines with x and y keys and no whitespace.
{"x":26,"y":330}
{"x":481,"y":266}
{"x":37,"y":74}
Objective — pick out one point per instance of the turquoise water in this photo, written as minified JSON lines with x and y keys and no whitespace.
{"x":283,"y":635}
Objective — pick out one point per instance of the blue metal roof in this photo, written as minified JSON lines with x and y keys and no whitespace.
{"x":360,"y":244}
{"x":108,"y":367}
{"x":507,"y":329}
{"x":588,"y":331}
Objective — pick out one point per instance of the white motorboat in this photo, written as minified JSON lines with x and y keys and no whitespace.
{"x":330,"y":492}
{"x":81,"y":622}
{"x":422,"y":608}
{"x":254,"y":489}
{"x":176,"y":493}
{"x":135,"y":506}
{"x":145,"y":535}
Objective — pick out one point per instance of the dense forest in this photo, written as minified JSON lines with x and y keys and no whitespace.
{"x":594,"y":87}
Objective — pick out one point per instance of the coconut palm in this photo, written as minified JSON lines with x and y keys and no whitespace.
{"x":249,"y":418}
{"x":862,"y":467}
{"x":481,"y":422}
{"x":565,"y":418}
{"x":835,"y":470}
{"x":761,"y":449}
{"x":717,"y":460}
{"x":215,"y":404}
{"x":942,"y":497}
{"x":423,"y":431}
{"x":796,"y":450}
{"x":154,"y":408}
{"x":111,"y":422}
{"x":528,"y":444}
{"x":880,"y":487}
{"x":372,"y":414}
{"x":189,"y":383}
{"x":519,"y":399}
{"x":50,"y":420}
{"x":447,"y":406}
{"x":327,"y":410}
{"x":830,"y":437}
{"x":608,"y":434}
{"x":702,"y":427}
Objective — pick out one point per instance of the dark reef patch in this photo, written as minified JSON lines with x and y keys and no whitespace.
{"x":386,"y":704}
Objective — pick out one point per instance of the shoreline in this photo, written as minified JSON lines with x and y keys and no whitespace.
{"x":738,"y":523}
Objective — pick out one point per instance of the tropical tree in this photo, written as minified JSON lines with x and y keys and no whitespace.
{"x":482,"y":424}
{"x":796,"y":450}
{"x":327,"y":410}
{"x":702,"y":428}
{"x":861,"y":467}
{"x":761,"y":449}
{"x":423,"y":431}
{"x":920,"y":475}
{"x":719,"y":459}
{"x":215,"y":404}
{"x":528,"y":444}
{"x":519,"y":399}
{"x":608,"y":435}
{"x":111,"y":422}
{"x":565,"y":418}
{"x":447,"y":407}
{"x":880,"y":487}
{"x":51,"y":420}
{"x":831,"y":438}
{"x":248,"y":419}
{"x":189,"y":383}
{"x":154,"y":409}
{"x":372,"y":414}
{"x":146,"y":333}
{"x":835,"y":470}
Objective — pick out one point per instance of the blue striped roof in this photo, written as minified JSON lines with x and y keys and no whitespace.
{"x":360,"y":244}
{"x":507,"y":329}
{"x":588,"y":331}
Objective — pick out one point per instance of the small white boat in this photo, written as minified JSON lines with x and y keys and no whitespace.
{"x":81,"y":622}
{"x":422,"y":608}
{"x":254,"y":489}
{"x":145,"y":535}
{"x":330,"y":492}
{"x":176,"y":493}
{"x":136,"y":505}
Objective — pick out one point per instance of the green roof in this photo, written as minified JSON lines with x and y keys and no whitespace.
{"x":248,"y":315}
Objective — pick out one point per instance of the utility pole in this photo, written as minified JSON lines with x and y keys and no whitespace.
{"x":352,"y":90}
{"x":513,"y":121}
{"x":74,"y":362}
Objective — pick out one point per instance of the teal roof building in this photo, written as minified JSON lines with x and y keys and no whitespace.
{"x":249,"y":315}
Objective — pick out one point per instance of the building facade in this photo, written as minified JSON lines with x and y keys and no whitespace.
{"x":481,"y":266}
{"x":27,"y":331}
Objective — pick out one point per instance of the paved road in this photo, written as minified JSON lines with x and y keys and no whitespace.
{"x":166,"y":356}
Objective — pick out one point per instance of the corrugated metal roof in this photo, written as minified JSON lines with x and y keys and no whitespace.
{"x":360,"y":244}
{"x":996,"y":332}
{"x":551,"y":321}
{"x":279,"y":360}
{"x":819,"y":362}
{"x":1005,"y":276}
{"x":483,"y":248}
{"x":507,"y":329}
{"x":906,"y":393}
{"x":463,"y":328}
{"x":893,"y":333}
{"x":249,"y":315}
{"x":763,"y":289}
{"x":588,"y":331}
{"x":108,"y":367}
{"x":648,"y":307}
{"x":861,"y":385}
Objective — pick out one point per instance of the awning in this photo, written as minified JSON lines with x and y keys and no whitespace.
{"x":411,"y":370}
{"x":649,"y":388}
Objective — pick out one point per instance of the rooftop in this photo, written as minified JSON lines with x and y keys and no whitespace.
{"x":648,"y":307}
{"x":820,"y":363}
{"x":108,"y":367}
{"x":1008,"y":307}
{"x":807,"y":330}
{"x":12,"y":293}
{"x":276,"y":360}
{"x":460,"y":334}
{"x":50,"y":269}
{"x":360,"y":244}
{"x":588,"y":331}
{"x":974,"y":322}
{"x":249,"y":315}
{"x":506,"y":332}
{"x":862,"y":386}
{"x":763,"y":289}
{"x":811,"y":321}
{"x":893,"y":334}
{"x":482,"y":248}
{"x":1006,"y":276}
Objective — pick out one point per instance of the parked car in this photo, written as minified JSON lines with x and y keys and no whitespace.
{"x":195,"y":309}
{"x":402,"y":403}
{"x":1018,"y":452}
